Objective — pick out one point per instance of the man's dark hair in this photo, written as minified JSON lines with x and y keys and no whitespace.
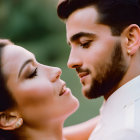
{"x":118,"y":14}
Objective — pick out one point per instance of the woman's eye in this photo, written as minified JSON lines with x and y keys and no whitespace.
{"x":86,"y":44}
{"x":33,"y":74}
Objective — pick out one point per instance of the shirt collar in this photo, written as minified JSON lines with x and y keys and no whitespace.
{"x":125,"y":95}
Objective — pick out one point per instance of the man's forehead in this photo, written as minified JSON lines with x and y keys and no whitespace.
{"x":81,"y":15}
{"x":60,"y":1}
{"x":78,"y":21}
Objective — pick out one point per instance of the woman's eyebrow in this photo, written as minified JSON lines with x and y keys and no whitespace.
{"x":24,"y":64}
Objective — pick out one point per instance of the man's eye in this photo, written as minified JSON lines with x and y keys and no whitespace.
{"x":86,"y":44}
{"x":33,"y":74}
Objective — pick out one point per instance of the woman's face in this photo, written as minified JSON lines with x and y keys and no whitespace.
{"x":37,"y":89}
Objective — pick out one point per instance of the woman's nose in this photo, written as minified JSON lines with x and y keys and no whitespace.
{"x":55,"y":73}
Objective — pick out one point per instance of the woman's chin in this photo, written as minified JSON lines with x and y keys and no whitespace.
{"x":73,"y":107}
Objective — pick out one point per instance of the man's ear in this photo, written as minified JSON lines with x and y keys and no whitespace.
{"x":10,"y":120}
{"x":132,"y":38}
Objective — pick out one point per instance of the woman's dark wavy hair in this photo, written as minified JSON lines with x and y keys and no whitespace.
{"x":6,"y":100}
{"x":118,"y":14}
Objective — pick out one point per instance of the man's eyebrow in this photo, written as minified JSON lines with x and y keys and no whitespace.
{"x":81,"y":34}
{"x":24,"y":64}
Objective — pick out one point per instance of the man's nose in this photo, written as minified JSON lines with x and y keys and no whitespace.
{"x":74,"y":60}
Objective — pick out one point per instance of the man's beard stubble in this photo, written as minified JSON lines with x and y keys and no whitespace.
{"x":103,"y":83}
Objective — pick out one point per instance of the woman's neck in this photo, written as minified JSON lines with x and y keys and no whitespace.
{"x":51,"y":132}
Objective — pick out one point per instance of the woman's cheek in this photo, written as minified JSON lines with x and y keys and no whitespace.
{"x":35,"y":92}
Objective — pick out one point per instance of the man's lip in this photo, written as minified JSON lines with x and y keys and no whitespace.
{"x":82,"y":74}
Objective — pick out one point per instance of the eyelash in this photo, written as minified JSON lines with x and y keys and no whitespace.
{"x":86,"y":44}
{"x":33,"y":74}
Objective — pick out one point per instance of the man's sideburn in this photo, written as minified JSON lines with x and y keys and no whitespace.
{"x":114,"y":71}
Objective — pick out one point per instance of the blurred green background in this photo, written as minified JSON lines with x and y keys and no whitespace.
{"x":34,"y":25}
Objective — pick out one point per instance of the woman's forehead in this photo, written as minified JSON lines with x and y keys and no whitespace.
{"x":13,"y":57}
{"x":13,"y":53}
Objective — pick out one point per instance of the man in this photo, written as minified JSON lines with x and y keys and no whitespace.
{"x":104,"y":36}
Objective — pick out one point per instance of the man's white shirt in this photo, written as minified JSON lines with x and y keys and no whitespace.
{"x":120,"y":114}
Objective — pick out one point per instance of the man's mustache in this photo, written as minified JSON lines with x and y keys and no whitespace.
{"x":80,"y":70}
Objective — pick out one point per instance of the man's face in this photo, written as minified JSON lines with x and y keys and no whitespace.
{"x":96,"y":55}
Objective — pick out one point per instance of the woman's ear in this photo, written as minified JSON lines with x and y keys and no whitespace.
{"x":10,"y":120}
{"x":132,"y":38}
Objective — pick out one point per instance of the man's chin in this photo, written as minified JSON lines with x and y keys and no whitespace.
{"x":86,"y":92}
{"x":89,"y":93}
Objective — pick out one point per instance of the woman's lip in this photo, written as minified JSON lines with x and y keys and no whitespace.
{"x":64,"y":91}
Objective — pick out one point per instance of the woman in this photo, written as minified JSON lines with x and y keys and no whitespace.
{"x":34,"y":101}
